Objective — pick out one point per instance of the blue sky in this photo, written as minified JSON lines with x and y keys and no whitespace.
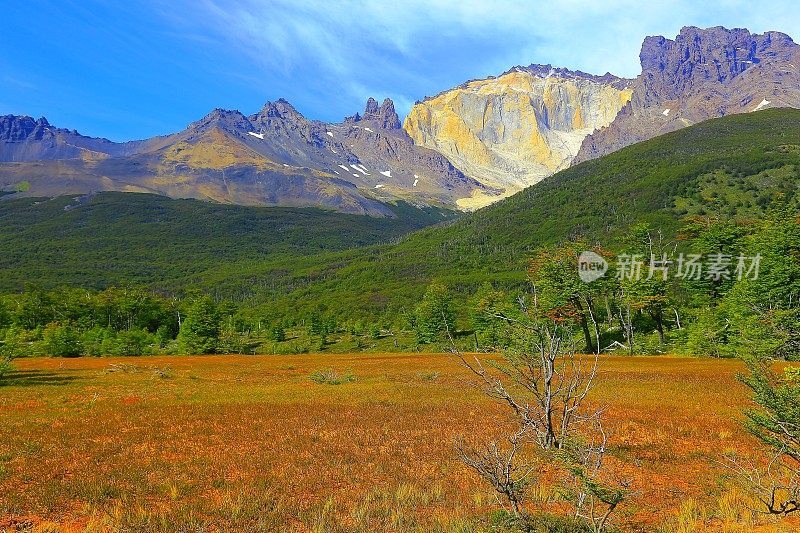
{"x":138,"y":68}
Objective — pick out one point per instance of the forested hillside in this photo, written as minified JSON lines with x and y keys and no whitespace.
{"x":148,"y":240}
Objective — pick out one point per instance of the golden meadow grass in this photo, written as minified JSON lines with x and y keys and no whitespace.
{"x":252,"y":443}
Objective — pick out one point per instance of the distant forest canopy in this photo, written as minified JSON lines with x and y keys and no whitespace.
{"x":742,"y":298}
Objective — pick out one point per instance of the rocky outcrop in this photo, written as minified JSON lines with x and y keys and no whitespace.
{"x":384,"y":116}
{"x":24,"y":139}
{"x":701,"y":74}
{"x":14,"y":129}
{"x":513,"y":130}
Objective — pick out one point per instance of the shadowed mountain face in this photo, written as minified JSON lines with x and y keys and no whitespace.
{"x":702,"y":74}
{"x":24,"y":139}
{"x":274,"y":157}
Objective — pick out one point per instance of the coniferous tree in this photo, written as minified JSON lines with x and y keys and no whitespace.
{"x":434,"y":315}
{"x":199,"y":332}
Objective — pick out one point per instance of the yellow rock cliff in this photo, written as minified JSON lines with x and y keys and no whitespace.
{"x":516,"y":129}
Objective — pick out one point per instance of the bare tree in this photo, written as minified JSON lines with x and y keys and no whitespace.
{"x":776,"y":486}
{"x":544,"y":383}
{"x":593,"y":501}
{"x":500,"y":467}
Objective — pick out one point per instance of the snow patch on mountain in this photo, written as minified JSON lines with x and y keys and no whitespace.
{"x":764,"y":103}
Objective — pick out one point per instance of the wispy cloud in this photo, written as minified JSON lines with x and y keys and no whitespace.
{"x":358,"y":48}
{"x":17,"y":82}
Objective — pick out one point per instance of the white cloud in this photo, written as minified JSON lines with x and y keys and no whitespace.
{"x":361,"y":48}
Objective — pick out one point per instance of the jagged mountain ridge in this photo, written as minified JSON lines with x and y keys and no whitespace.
{"x":273,"y":157}
{"x":24,"y":139}
{"x":701,"y":74}
{"x":466,"y":147}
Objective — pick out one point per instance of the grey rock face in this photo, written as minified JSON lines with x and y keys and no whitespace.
{"x":19,"y":129}
{"x":701,"y":74}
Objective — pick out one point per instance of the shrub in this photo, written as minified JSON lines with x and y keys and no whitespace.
{"x":61,"y":340}
{"x":331,"y":377}
{"x":13,"y":342}
{"x":434,"y":315}
{"x":277,"y":333}
{"x":199,"y":333}
{"x":133,"y":342}
{"x":708,"y":335}
{"x":5,"y":367}
{"x":321,"y":343}
{"x":538,"y":523}
{"x":232,"y":341}
{"x":95,"y":341}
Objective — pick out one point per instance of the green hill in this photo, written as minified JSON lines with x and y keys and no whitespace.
{"x":143,"y":239}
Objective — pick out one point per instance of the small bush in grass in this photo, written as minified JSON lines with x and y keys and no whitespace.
{"x":428,"y":375}
{"x":5,"y":367}
{"x":331,"y":377}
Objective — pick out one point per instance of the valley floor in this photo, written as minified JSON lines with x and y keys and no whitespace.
{"x":252,"y":443}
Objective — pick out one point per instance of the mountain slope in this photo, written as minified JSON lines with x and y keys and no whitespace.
{"x":273,"y":158}
{"x":736,"y":166}
{"x":701,"y":74}
{"x":751,"y":159}
{"x":513,"y":130}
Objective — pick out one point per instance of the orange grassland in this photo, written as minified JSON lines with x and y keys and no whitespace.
{"x":248,"y":443}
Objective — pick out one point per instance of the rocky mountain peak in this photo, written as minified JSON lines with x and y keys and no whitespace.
{"x":280,"y":108}
{"x":14,"y":128}
{"x":372,"y":107}
{"x":383,"y":116}
{"x":702,"y":73}
{"x":230,"y":120}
